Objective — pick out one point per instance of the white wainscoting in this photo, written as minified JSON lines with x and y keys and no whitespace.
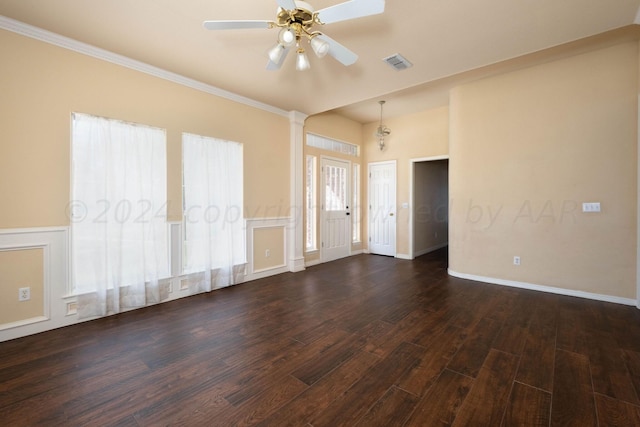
{"x":46,"y":300}
{"x":60,"y":303}
{"x":55,"y":244}
{"x":253,"y":224}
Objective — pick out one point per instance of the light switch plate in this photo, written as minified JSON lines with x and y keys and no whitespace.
{"x":591,"y":207}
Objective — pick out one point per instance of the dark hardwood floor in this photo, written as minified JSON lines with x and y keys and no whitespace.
{"x":364,"y":341}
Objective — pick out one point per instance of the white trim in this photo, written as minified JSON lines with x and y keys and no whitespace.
{"x":313,"y":262}
{"x":22,"y":323}
{"x":46,"y":285}
{"x":114,"y":58}
{"x":318,"y":261}
{"x":33,"y":230}
{"x":328,"y":138}
{"x":295,"y":253}
{"x":251,"y":224}
{"x":430,"y":158}
{"x":55,"y":244}
{"x":403,"y":256}
{"x":542,"y":288}
{"x":412,"y":166}
{"x":310,"y":224}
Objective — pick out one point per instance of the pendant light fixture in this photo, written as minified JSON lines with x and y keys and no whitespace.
{"x":382,"y":130}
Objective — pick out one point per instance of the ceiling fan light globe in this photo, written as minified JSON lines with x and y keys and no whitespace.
{"x":287,"y":37}
{"x":302,"y":62}
{"x":319,"y":46}
{"x":276,"y":52}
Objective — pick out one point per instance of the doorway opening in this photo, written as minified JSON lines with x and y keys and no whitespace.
{"x":429,"y":216}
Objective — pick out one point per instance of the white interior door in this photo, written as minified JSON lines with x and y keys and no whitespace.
{"x":382,"y":208}
{"x":336,"y":219}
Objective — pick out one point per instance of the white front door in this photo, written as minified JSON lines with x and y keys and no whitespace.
{"x":336,"y":219}
{"x":382,"y":208}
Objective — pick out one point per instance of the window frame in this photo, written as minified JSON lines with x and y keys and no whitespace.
{"x":311,"y":197}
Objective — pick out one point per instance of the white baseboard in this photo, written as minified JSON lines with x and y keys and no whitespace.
{"x":261,"y":274}
{"x":319,"y":261}
{"x":542,"y":288}
{"x":296,"y":265}
{"x":313,"y":262}
{"x":403,"y":256}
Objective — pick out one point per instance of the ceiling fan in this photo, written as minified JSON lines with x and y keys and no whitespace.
{"x":296,"y":20}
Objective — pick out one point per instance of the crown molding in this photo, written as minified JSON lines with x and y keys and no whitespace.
{"x":102,"y":54}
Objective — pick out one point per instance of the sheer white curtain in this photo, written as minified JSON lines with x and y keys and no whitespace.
{"x":118,"y":214}
{"x":214,"y":252}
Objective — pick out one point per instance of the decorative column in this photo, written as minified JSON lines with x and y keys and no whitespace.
{"x":295,"y":245}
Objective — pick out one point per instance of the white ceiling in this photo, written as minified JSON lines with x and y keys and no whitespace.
{"x":442,"y":38}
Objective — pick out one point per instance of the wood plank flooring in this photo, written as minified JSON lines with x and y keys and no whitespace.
{"x":363,"y":341}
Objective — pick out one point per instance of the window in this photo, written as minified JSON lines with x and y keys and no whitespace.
{"x":332,"y":145}
{"x":336,"y":188}
{"x":310,"y":201}
{"x":119,"y":233}
{"x":355,"y":203}
{"x":213,"y":223}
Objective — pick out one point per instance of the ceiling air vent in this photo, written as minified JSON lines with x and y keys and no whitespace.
{"x":398,"y":62}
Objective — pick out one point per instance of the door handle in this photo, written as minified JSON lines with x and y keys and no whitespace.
{"x":391,"y":214}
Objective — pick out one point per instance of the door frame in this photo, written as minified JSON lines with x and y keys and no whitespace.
{"x":322,"y":200}
{"x":368,"y":210}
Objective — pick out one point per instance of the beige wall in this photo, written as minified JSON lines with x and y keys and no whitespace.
{"x":420,"y":135}
{"x":18,"y":269}
{"x":268,"y":248}
{"x":339,"y":128}
{"x":42,"y":85}
{"x":527,"y":148}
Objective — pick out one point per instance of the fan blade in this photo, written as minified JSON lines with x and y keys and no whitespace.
{"x":276,"y":65}
{"x":235,"y":25}
{"x":338,"y":51}
{"x":287,"y":4}
{"x":350,"y":10}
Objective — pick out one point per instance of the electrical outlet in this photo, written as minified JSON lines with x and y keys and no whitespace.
{"x":267,"y":253}
{"x":24,"y":294}
{"x":516,"y":260}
